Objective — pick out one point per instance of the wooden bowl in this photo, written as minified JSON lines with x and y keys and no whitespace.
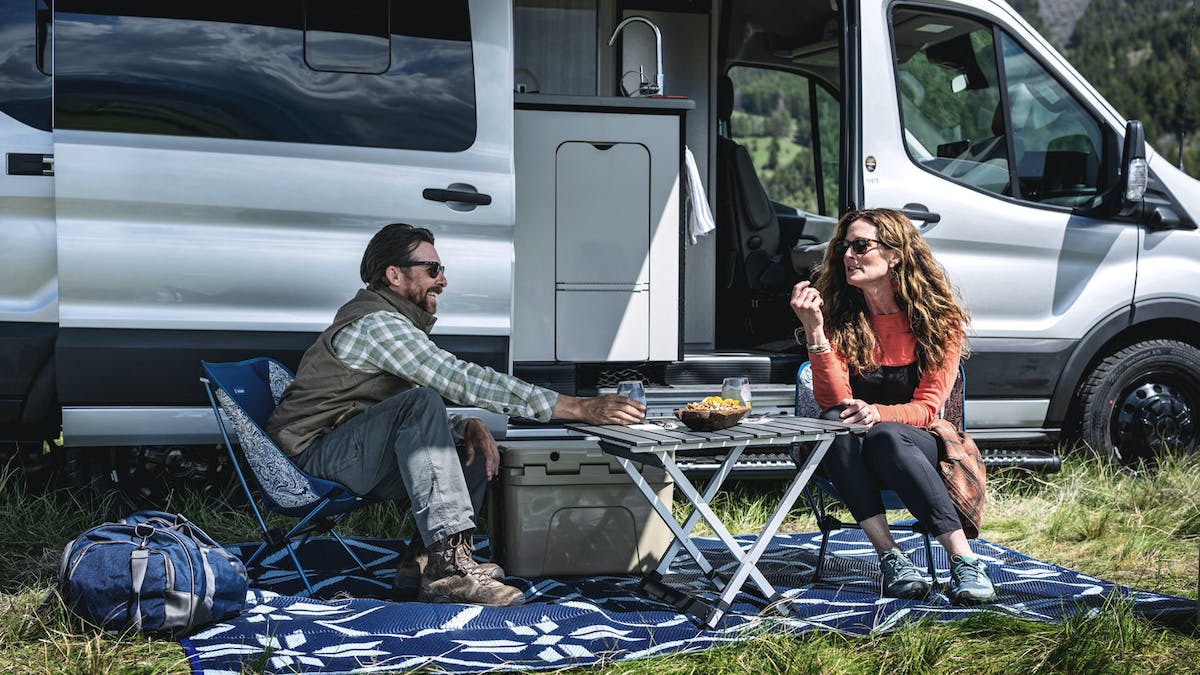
{"x":711,"y":420}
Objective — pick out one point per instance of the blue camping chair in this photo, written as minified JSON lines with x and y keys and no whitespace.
{"x":243,"y":395}
{"x":820,"y":489}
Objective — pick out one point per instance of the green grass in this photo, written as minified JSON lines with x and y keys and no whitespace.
{"x":1137,"y":530}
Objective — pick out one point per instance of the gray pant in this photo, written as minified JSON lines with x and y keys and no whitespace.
{"x":401,"y":447}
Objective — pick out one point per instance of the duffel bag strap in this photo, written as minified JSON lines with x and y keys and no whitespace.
{"x":137,"y":564}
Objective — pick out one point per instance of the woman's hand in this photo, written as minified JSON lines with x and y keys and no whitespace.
{"x":859,"y":411}
{"x":806,"y":303}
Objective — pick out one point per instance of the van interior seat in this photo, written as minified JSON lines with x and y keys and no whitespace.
{"x":757,"y":229}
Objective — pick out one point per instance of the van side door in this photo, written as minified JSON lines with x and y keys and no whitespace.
{"x":28,"y":281}
{"x":223,"y":165}
{"x":979,"y":125}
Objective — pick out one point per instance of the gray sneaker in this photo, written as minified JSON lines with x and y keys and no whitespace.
{"x":969,"y":581}
{"x":901,"y":578}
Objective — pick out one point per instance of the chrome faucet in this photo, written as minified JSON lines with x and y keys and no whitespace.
{"x":657,"y":87}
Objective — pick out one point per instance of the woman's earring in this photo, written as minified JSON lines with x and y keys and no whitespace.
{"x":894,"y":274}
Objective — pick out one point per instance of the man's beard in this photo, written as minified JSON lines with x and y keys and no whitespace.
{"x":426,"y":300}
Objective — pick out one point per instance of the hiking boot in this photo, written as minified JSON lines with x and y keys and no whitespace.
{"x":969,"y":581}
{"x":901,"y":578}
{"x":411,"y":566}
{"x":451,"y":575}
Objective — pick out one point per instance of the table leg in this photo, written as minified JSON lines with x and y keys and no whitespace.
{"x":749,"y":564}
{"x":664,"y":512}
{"x":718,"y":528}
{"x":710,"y":491}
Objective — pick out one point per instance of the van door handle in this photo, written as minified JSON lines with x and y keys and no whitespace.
{"x":920,"y":212}
{"x":458,"y":196}
{"x":30,"y":164}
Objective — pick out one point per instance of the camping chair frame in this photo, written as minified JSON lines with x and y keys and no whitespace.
{"x":286,"y":489}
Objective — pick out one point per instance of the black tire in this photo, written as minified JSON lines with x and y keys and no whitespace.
{"x":1141,"y":402}
{"x":149,"y":476}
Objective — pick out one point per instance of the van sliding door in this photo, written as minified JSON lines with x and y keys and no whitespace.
{"x":223,"y":165}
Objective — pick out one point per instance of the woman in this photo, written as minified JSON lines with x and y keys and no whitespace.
{"x":885,"y":332}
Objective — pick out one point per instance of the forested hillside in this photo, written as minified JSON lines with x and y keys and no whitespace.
{"x":1136,"y":53}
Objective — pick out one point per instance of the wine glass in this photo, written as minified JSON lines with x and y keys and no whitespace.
{"x":632,"y":389}
{"x":738,"y":389}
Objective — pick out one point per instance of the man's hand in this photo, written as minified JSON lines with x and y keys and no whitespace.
{"x":859,"y":411}
{"x":477,"y":439}
{"x":607,"y":409}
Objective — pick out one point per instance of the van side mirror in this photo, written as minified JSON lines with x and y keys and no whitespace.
{"x":1135,"y":173}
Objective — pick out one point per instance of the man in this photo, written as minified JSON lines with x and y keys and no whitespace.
{"x":366,"y":410}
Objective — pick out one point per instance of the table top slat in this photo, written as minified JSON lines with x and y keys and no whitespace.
{"x":832,"y":425}
{"x":616,"y":433}
{"x":775,"y":430}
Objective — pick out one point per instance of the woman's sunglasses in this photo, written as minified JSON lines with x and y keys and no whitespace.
{"x":435,"y":268}
{"x":860,"y":246}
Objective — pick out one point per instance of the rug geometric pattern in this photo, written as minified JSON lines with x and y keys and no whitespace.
{"x":348,"y":628}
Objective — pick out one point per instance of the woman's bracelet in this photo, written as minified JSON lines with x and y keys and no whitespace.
{"x":812,"y":348}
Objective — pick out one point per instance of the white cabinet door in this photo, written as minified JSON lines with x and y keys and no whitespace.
{"x":602,"y":209}
{"x":602,"y":326}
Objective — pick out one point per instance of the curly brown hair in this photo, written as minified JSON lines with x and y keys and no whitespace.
{"x":936,"y":314}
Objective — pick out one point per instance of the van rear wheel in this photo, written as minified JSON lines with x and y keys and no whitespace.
{"x":1141,"y":402}
{"x":150,"y":476}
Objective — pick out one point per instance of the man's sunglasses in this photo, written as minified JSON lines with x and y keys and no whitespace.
{"x":860,"y":246}
{"x":436,"y":269}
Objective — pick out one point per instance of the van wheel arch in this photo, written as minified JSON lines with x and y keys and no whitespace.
{"x":1140,"y":401}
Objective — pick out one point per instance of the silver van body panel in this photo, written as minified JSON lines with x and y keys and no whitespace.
{"x":28,"y":264}
{"x":177,"y":232}
{"x":1023,"y":270}
{"x":98,"y":426}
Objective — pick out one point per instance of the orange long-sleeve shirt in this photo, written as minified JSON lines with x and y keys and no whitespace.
{"x":894,"y":346}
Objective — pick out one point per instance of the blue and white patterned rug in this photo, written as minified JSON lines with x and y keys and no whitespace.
{"x":580,"y":621}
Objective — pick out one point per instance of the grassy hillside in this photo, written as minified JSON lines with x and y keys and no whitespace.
{"x":1144,"y":57}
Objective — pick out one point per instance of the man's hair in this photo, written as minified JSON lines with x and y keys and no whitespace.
{"x":392,"y":245}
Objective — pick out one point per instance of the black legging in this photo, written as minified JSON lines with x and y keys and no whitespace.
{"x":891,"y":456}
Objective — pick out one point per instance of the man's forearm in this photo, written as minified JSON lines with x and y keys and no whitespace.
{"x":567,"y":407}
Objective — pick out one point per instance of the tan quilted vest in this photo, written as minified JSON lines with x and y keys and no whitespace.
{"x":327,"y":392}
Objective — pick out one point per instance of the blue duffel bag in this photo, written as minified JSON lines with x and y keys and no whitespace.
{"x":154,"y":572}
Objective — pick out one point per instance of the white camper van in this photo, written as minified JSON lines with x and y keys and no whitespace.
{"x":188,"y":180}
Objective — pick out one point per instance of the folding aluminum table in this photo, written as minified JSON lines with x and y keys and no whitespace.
{"x":652,"y":444}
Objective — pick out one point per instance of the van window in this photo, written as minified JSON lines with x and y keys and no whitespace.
{"x":789,"y":125}
{"x":950,"y":99}
{"x":225,"y":69}
{"x":1032,"y":141}
{"x":25,"y":40}
{"x":1058,"y":145}
{"x":344,"y":38}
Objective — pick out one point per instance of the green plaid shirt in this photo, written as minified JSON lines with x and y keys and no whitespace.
{"x":387,"y":341}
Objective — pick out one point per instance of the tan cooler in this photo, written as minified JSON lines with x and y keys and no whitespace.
{"x":564,"y":508}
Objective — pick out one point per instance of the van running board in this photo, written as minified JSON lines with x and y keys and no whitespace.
{"x":774,"y":463}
